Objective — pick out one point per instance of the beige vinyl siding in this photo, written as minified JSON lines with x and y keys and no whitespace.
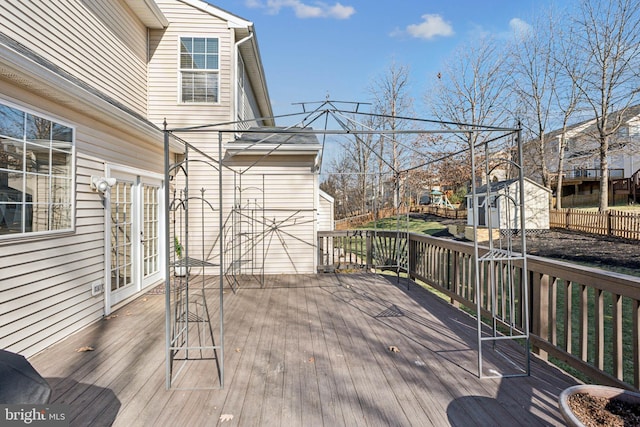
{"x":284,"y":200}
{"x":291,"y":247}
{"x":325,"y":212}
{"x":120,"y":148}
{"x":101,"y":43}
{"x":203,"y":228}
{"x":45,"y":282}
{"x":280,"y":195}
{"x":45,"y":286}
{"x":164,"y":91}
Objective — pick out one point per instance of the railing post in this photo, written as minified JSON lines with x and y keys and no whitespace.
{"x":321,"y":253}
{"x":369,"y":249}
{"x":635,"y":328}
{"x":410,"y":257}
{"x":540,"y":310}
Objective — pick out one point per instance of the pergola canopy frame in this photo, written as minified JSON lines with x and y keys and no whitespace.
{"x":478,"y":138}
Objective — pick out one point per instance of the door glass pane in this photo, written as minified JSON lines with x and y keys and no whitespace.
{"x":121,"y":238}
{"x":150,"y":236}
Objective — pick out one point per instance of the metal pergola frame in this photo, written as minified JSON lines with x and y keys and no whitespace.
{"x":179,"y":314}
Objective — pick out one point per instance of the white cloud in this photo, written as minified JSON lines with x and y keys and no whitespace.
{"x":340,"y":11}
{"x":305,"y":10}
{"x":431,"y":26}
{"x":520,"y":27}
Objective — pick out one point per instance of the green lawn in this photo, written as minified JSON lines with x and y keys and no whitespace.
{"x":413,"y":225}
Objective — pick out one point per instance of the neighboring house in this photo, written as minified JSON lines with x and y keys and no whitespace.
{"x":582,"y":158}
{"x":501,"y":208}
{"x":82,"y":109}
{"x":325,"y":212}
{"x":277,"y":200}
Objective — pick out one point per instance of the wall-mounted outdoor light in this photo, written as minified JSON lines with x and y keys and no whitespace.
{"x":102,"y":184}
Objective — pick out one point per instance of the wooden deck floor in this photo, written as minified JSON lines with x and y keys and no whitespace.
{"x":302,"y":351}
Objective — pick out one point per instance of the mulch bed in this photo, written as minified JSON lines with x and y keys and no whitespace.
{"x":599,"y":251}
{"x":604,"y":251}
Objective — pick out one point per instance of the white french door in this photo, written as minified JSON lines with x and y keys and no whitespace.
{"x":134,"y":218}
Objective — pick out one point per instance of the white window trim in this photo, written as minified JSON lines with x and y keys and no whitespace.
{"x":43,"y":234}
{"x":180,"y":69}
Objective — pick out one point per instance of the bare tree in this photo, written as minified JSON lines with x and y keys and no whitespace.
{"x":340,"y":185}
{"x":542,"y":67}
{"x":392,"y":99}
{"x":566,"y":99}
{"x":608,"y":48}
{"x":358,"y":156}
{"x":535,"y":78}
{"x":473,"y":88}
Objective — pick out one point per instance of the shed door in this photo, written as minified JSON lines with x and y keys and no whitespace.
{"x":482,"y":213}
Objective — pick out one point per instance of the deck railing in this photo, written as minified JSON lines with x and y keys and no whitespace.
{"x":595,"y":173}
{"x":584,"y":317}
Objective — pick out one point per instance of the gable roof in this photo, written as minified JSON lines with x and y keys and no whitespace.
{"x":589,"y":126}
{"x":326,"y":196}
{"x":234,"y":20}
{"x":494,"y":187}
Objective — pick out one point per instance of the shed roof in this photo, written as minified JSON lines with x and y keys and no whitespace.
{"x":303,"y":139}
{"x":499,"y":185}
{"x":274,"y":143}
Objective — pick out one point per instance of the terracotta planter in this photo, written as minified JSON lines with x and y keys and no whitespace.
{"x":596,"y":391}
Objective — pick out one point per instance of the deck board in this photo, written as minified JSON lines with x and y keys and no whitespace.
{"x":301,"y":350}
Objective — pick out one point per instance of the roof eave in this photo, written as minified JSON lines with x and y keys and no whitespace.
{"x":234,"y":21}
{"x":149,"y":13}
{"x":37,"y":77}
{"x":276,"y":149}
{"x":256,"y":70}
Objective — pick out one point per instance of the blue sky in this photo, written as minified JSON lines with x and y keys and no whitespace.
{"x":311,"y":49}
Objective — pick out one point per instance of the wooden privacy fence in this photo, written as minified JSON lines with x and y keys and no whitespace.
{"x":440,"y":211}
{"x":584,"y":317}
{"x":611,"y":223}
{"x":355,"y":221}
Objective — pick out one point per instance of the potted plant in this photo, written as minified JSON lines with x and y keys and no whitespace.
{"x":180,"y":267}
{"x":581,"y":404}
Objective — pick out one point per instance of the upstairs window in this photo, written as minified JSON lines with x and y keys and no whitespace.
{"x":623,"y":132}
{"x":36,"y":174}
{"x":199,"y":70}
